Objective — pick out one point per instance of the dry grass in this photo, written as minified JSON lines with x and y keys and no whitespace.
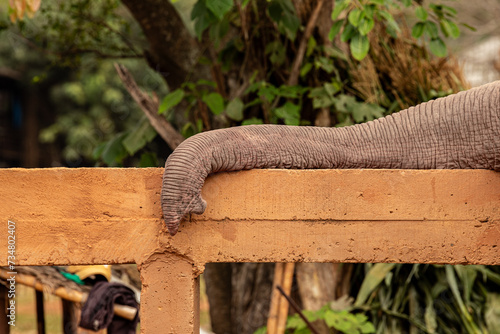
{"x":403,"y":71}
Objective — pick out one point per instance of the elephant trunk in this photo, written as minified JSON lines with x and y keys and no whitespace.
{"x":458,"y":131}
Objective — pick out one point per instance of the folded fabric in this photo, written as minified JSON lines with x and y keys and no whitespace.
{"x":97,"y":312}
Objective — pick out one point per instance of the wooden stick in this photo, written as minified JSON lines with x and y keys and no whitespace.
{"x":283,"y":304}
{"x":149,"y":106}
{"x":272,"y":320}
{"x":40,"y":312}
{"x":124,"y":311}
{"x":294,"y":74}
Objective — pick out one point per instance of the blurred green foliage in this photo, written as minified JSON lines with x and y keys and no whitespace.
{"x":96,"y":120}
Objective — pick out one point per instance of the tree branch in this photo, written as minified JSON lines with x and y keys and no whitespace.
{"x":294,"y":75}
{"x":150,"y":107}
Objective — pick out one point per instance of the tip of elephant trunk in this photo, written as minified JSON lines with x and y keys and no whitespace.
{"x":172,"y":230}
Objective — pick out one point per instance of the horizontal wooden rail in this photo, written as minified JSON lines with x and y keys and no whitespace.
{"x":107,"y":215}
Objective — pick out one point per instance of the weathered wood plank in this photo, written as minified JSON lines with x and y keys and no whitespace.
{"x":107,"y":215}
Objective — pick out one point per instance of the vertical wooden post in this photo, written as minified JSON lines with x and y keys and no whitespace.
{"x":278,"y":311}
{"x":272,"y":320}
{"x":40,"y":313}
{"x":283,"y":304}
{"x":170,"y":296}
{"x":4,"y":301}
{"x":70,"y":317}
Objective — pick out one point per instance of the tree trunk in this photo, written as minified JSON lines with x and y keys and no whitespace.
{"x":217,"y":281}
{"x":252,"y":286}
{"x":173,"y":52}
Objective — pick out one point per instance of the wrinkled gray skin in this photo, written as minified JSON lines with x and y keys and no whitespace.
{"x":460,"y":131}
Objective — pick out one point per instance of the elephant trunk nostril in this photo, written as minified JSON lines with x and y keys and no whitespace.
{"x":172,"y":230}
{"x":199,"y":206}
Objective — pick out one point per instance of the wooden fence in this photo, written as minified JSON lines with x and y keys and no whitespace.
{"x":108,"y":216}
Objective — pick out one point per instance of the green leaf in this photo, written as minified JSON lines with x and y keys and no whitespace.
{"x":332,"y":88}
{"x":325,"y":63}
{"x":96,"y":154}
{"x":171,"y":100}
{"x":367,"y":328}
{"x":336,"y":26}
{"x":215,"y":102}
{"x":337,"y":320}
{"x":339,"y":7}
{"x":148,"y":159}
{"x":219,"y":7}
{"x":492,"y":312}
{"x":198,"y":10}
{"x":430,"y":311}
{"x":253,"y":120}
{"x":296,"y":322}
{"x":360,"y":45}
{"x":276,"y":52}
{"x":467,"y":320}
{"x":305,"y":69}
{"x":283,"y":13}
{"x":203,"y":82}
{"x":421,"y":13}
{"x":418,"y":30}
{"x":219,"y":30}
{"x":345,"y":103}
{"x":261,"y":330}
{"x":289,"y":112}
{"x":320,"y":98}
{"x":199,"y":125}
{"x":188,"y":130}
{"x":431,"y":29}
{"x":291,"y":92}
{"x":348,"y":32}
{"x":372,"y":280}
{"x":200,"y":25}
{"x":392,"y":26}
{"x":450,"y":28}
{"x":334,"y":52}
{"x":346,"y":322}
{"x":275,"y":11}
{"x":365,"y":26}
{"x":450,"y":10}
{"x":203,"y":17}
{"x":234,"y":109}
{"x":142,"y":134}
{"x":311,"y":45}
{"x":292,"y":23}
{"x":438,"y":48}
{"x":114,"y":152}
{"x":468,"y":26}
{"x":370,"y":10}
{"x":364,"y":112}
{"x":355,"y":17}
{"x":406,"y":3}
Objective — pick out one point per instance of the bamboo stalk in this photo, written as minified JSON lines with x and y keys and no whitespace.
{"x":124,"y":311}
{"x":283,"y":304}
{"x":272,"y":319}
